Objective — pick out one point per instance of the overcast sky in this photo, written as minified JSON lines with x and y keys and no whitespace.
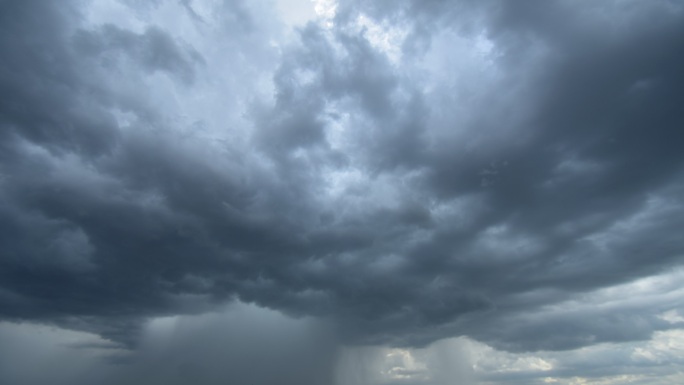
{"x":341,"y":192}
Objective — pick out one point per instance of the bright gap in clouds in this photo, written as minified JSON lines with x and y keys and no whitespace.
{"x":297,"y":12}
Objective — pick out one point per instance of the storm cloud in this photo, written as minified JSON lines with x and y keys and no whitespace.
{"x":397,"y":173}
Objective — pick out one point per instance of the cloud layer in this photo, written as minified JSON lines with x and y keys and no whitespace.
{"x":403,"y":171}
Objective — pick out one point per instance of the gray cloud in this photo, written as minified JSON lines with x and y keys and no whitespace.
{"x":513,"y":158}
{"x":154,"y":50}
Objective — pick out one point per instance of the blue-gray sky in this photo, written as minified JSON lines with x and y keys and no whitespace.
{"x":390,"y":192}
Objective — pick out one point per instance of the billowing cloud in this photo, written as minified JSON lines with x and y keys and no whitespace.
{"x":403,"y":172}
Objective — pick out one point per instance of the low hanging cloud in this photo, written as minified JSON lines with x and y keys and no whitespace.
{"x":404,"y":172}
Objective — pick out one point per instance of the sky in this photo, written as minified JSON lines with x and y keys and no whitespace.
{"x":341,"y":192}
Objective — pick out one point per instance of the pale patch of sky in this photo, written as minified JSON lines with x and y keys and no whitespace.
{"x":296,"y":12}
{"x":384,"y":37}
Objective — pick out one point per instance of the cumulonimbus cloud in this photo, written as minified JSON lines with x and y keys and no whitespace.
{"x":501,"y":160}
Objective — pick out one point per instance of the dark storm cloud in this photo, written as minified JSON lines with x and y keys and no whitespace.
{"x":368,"y":193}
{"x":57,"y":198}
{"x":597,"y":149}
